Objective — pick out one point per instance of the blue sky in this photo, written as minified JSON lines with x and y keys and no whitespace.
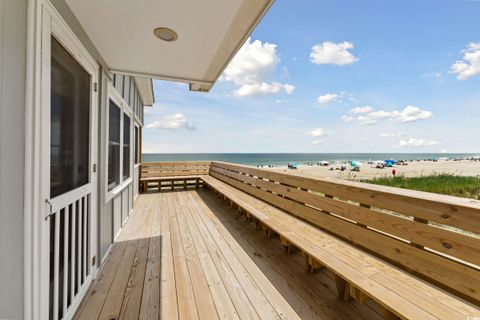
{"x":337,"y":76}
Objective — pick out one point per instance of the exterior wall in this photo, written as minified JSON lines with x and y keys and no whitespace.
{"x":13,"y":33}
{"x":113,"y":214}
{"x":136,"y":181}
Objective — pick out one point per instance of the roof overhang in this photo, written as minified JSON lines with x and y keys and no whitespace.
{"x":145,"y":90}
{"x":210,"y":32}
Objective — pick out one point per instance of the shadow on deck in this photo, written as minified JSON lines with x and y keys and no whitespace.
{"x":188,"y":255}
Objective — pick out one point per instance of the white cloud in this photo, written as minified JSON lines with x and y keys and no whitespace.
{"x":333,"y":53}
{"x":253,"y":63}
{"x":470,"y":65}
{"x":366,"y":120}
{"x":173,"y":122}
{"x":408,"y":114}
{"x":392,"y":134}
{"x":417,"y":143}
{"x":347,"y":119}
{"x":288,"y":88}
{"x":327,"y":98}
{"x":433,"y":75}
{"x":260,"y":89}
{"x":317,"y":142}
{"x":411,"y":114}
{"x":251,"y":68}
{"x":317,"y":133}
{"x":365,"y":109}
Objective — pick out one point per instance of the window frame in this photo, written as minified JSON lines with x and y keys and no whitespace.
{"x":125,"y":109}
{"x":129,"y":145}
{"x":136,"y":146}
{"x":119,"y":176}
{"x":81,"y":63}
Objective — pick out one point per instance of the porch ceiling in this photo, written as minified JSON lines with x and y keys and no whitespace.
{"x":209,"y":32}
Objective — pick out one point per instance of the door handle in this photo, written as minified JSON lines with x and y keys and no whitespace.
{"x":51,"y":208}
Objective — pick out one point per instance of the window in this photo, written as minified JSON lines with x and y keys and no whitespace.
{"x":126,"y":147}
{"x":120,"y":140}
{"x":113,"y":145}
{"x":136,"y":145}
{"x":70,"y":122}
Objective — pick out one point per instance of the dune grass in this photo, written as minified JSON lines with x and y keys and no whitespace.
{"x":466,"y":187}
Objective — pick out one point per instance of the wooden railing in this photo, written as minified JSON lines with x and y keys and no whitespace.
{"x":434,"y":236}
{"x":172,"y":169}
{"x":161,"y":175}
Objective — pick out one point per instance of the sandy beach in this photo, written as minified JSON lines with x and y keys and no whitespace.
{"x":368,"y":171}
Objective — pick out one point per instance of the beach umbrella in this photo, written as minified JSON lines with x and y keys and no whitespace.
{"x":390,"y":162}
{"x":355,"y":163}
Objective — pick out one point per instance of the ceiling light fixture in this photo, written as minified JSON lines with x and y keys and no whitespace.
{"x":165,"y":34}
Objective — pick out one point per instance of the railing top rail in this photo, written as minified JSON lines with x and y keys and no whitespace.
{"x":458,"y":212}
{"x":176,"y":163}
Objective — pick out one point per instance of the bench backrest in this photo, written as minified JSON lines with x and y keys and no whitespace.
{"x":173,"y":169}
{"x":433,"y":236}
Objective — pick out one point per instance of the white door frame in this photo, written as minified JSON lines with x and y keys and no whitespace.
{"x":44,"y":22}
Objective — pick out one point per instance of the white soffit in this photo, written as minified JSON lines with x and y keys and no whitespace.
{"x":210,"y":32}
{"x":145,"y":89}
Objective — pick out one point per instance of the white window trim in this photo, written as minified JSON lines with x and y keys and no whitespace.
{"x":139,"y":126}
{"x":124,"y":109}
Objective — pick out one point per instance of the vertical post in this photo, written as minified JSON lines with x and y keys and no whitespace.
{"x":85,"y":244}
{"x":343,"y":288}
{"x":74,"y":245}
{"x":389,"y":315}
{"x":56,"y":265}
{"x":66,"y":249}
{"x":418,"y":220}
{"x":364,"y":206}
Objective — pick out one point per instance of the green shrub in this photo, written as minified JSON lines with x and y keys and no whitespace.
{"x":467,"y":187}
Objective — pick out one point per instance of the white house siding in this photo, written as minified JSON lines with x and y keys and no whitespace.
{"x":136,"y":181}
{"x":123,"y":202}
{"x":13,"y":24}
{"x":114,"y":213}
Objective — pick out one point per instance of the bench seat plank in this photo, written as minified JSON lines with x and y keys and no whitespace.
{"x":460,"y":278}
{"x":393,"y":288}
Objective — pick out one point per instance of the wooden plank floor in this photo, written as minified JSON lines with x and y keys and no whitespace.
{"x":187,"y":255}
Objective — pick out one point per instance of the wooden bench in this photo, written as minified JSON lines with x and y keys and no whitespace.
{"x":171,"y":175}
{"x":416,"y":254}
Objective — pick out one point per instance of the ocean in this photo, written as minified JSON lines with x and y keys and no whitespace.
{"x":278,"y":159}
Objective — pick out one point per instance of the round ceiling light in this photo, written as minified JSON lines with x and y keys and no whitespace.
{"x":165,"y":34}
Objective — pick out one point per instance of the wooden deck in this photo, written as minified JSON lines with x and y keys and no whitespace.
{"x":186,"y":255}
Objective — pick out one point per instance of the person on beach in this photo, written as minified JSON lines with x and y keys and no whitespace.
{"x":394,"y":172}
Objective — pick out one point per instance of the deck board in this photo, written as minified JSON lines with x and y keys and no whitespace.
{"x":186,"y":255}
